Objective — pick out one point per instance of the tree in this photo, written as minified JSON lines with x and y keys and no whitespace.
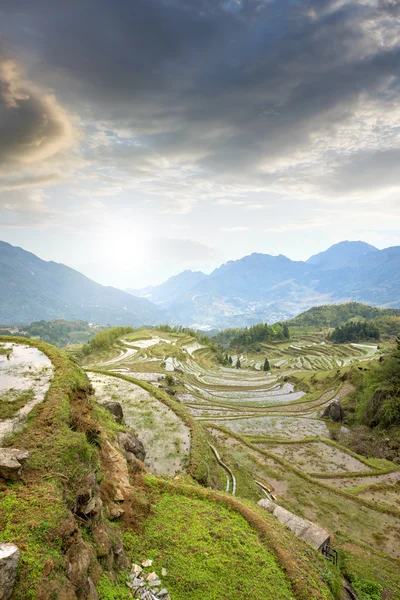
{"x":286,"y":333}
{"x":238,"y":365}
{"x":230,"y":360}
{"x":267,"y":365}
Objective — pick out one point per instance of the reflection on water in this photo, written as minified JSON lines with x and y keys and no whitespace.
{"x":24,"y":368}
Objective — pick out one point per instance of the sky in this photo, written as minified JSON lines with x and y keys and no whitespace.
{"x":139,"y":138}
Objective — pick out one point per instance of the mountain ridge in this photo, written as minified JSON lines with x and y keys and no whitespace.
{"x":33,"y":289}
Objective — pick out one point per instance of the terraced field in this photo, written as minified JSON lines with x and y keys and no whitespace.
{"x":265,"y":430}
{"x":25,"y":376}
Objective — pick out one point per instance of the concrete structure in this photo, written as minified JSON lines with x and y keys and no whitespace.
{"x":314,"y":535}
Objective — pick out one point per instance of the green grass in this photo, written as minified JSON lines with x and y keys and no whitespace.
{"x":13,"y":401}
{"x":34,"y":513}
{"x":5,"y":351}
{"x":209,"y":552}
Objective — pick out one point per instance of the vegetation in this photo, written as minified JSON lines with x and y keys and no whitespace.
{"x":57,"y":332}
{"x":335,"y":315}
{"x":105,"y":339}
{"x":13,"y":401}
{"x":379,"y":393}
{"x":266,"y":366}
{"x":250,"y":337}
{"x":355,"y":331}
{"x":36,"y":515}
{"x":203,"y":564}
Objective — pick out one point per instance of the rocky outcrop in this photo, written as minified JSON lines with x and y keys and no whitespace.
{"x":9,"y":559}
{"x":131,"y":446}
{"x":115,"y":409}
{"x":334,"y":411}
{"x":11,"y":461}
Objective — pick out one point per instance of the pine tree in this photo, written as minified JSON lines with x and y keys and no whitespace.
{"x":230,"y":360}
{"x":267,"y":365}
{"x":285,"y":328}
{"x":238,"y":363}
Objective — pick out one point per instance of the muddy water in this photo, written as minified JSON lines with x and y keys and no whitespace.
{"x":165,"y":437}
{"x":26,"y":369}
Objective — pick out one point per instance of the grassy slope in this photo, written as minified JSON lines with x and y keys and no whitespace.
{"x":34,"y":512}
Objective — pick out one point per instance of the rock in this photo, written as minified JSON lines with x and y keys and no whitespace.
{"x":93,"y":507}
{"x":131,"y":446}
{"x":115,"y":409}
{"x":147,"y":563}
{"x":9,"y":559}
{"x":334,"y":411}
{"x":136,"y":570}
{"x":151,"y":576}
{"x":116,"y":512}
{"x":93,"y":595}
{"x":11,"y":461}
{"x":163,"y":594}
{"x":163,"y":572}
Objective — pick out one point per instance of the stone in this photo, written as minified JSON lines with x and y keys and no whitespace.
{"x":93,"y":507}
{"x":147,"y":563}
{"x":155,"y":583}
{"x":334,"y":411}
{"x":115,"y":512}
{"x":136,"y":570}
{"x":163,"y":594}
{"x":131,"y":446}
{"x":9,"y":559}
{"x":93,"y":595}
{"x":11,"y":461}
{"x":163,"y":572}
{"x":151,"y":576}
{"x":115,"y":409}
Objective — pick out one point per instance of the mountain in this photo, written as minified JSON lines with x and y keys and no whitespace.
{"x":172,"y":289}
{"x":260,"y":287}
{"x":341,"y":254}
{"x":32,"y":289}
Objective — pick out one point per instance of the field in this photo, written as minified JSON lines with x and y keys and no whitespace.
{"x":267,"y":431}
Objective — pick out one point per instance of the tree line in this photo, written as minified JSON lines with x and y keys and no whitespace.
{"x":251,"y":337}
{"x":355,"y":331}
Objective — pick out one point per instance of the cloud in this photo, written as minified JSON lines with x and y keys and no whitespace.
{"x":300,"y":225}
{"x":33,"y":126}
{"x":235,"y":229}
{"x":205,"y":100}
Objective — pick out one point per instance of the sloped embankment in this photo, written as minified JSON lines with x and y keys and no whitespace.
{"x":58,"y":512}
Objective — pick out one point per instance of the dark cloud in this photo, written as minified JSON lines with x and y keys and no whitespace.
{"x":233,"y":90}
{"x":32,"y":124}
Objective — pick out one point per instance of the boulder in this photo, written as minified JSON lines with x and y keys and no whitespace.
{"x":11,"y":461}
{"x":115,"y":409}
{"x":334,"y":411}
{"x":9,"y":559}
{"x":131,"y":446}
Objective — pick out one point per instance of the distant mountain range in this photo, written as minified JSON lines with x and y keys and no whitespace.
{"x":256,"y":288}
{"x":268,"y":288}
{"x":32,"y":289}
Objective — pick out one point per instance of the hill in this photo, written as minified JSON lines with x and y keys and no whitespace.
{"x":32,"y":289}
{"x":335,"y":315}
